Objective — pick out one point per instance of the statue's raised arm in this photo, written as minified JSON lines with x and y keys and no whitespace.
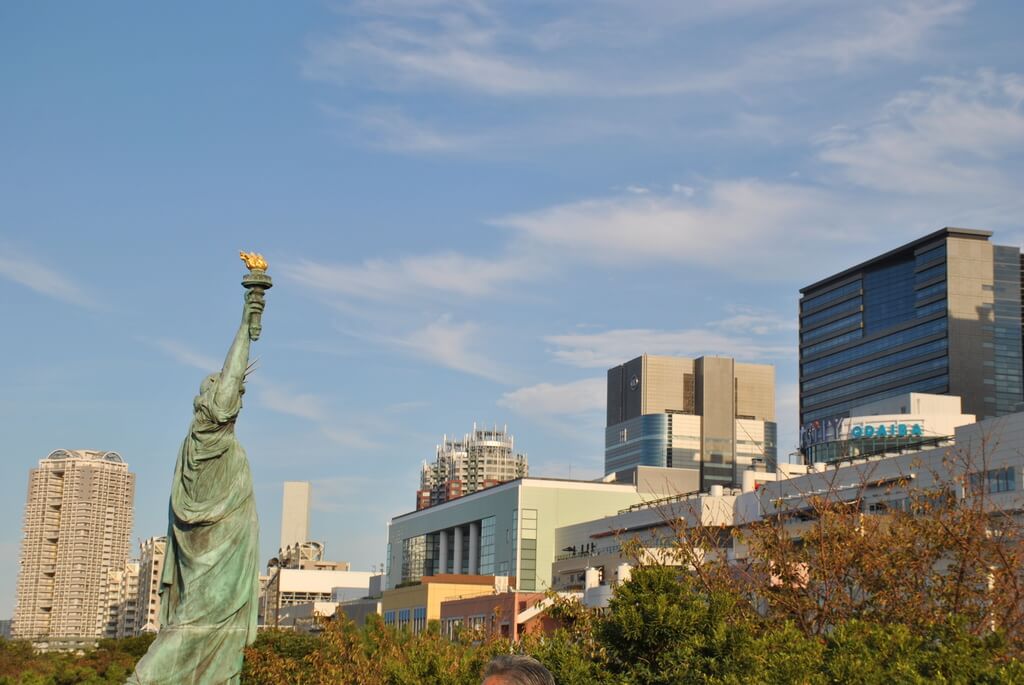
{"x":230,"y":381}
{"x":210,"y":582}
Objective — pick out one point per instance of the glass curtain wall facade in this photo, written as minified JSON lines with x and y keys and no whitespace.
{"x":940,"y":315}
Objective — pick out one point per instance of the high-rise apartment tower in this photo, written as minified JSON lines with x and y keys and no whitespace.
{"x":711,"y":416}
{"x":939,"y":315}
{"x":481,"y":459}
{"x":78,"y":520}
{"x":151,"y":566}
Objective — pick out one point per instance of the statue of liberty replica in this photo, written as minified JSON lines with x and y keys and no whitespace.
{"x":210,"y":584}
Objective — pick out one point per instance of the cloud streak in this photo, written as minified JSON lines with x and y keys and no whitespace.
{"x":945,"y":139}
{"x":551,"y":399}
{"x":478,"y":48}
{"x":44,"y":280}
{"x":732,"y":225}
{"x":747,"y":337}
{"x":440,"y":274}
{"x":453,"y":345}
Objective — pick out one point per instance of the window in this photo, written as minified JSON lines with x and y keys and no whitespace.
{"x":939,"y":384}
{"x":993,"y":481}
{"x":834,"y":342}
{"x":527,"y":578}
{"x":930,"y":255}
{"x":930,"y":291}
{"x":487,"y":546}
{"x":815,"y":301}
{"x":419,"y":619}
{"x":931,"y":349}
{"x":823,"y":331}
{"x":930,"y":273}
{"x":907,"y":335}
{"x":888,"y":295}
{"x":835,"y":310}
{"x":933,"y":365}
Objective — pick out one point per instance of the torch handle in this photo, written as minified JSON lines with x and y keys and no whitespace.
{"x":255,"y":319}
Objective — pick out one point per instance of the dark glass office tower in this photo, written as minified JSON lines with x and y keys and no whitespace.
{"x":939,"y":315}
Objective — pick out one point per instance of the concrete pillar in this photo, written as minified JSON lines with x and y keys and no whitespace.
{"x":457,"y":542}
{"x":442,"y":552}
{"x":474,"y":548}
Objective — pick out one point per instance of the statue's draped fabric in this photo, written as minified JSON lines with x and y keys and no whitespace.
{"x":210,"y":582}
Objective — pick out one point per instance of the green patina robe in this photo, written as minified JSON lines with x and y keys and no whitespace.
{"x":210,"y":583}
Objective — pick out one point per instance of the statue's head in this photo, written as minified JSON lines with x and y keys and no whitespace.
{"x":208,"y":383}
{"x":207,"y":386}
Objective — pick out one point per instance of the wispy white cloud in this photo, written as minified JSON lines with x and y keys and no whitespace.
{"x":482,"y":48}
{"x":552,"y":399}
{"x":350,"y":437}
{"x":447,"y":273}
{"x":388,"y":128}
{"x":284,"y":401}
{"x":186,"y":356}
{"x":44,"y":280}
{"x":733,"y":225}
{"x":948,"y":138}
{"x":747,"y":337}
{"x":453,"y":345}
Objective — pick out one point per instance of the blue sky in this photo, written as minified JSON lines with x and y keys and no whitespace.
{"x":470,"y":209}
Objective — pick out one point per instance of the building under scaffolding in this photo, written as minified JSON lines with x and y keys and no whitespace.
{"x":481,"y":459}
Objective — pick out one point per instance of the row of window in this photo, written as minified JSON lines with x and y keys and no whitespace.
{"x":836,"y":325}
{"x":930,"y":291}
{"x":834,"y":342}
{"x":853,"y":388}
{"x":929,"y":255}
{"x":930,"y":273}
{"x":938,"y":384}
{"x":993,"y":481}
{"x":877,"y":345}
{"x":808,"y":303}
{"x":865,"y":368}
{"x":835,"y":310}
{"x":888,"y":295}
{"x":929,"y":309}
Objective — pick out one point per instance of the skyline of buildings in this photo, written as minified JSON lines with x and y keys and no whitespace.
{"x":77,"y":527}
{"x":887,"y":348}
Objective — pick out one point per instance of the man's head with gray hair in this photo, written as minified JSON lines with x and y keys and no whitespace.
{"x":516,"y":669}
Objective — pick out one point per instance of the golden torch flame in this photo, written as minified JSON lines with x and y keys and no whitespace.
{"x":253,"y":260}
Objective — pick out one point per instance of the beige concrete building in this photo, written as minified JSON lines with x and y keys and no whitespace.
{"x":78,"y":522}
{"x":151,"y":567}
{"x":711,"y":416}
{"x":295,"y":513}
{"x":411,"y":606}
{"x":122,"y":600}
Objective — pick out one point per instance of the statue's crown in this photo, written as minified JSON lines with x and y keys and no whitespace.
{"x":253,"y":260}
